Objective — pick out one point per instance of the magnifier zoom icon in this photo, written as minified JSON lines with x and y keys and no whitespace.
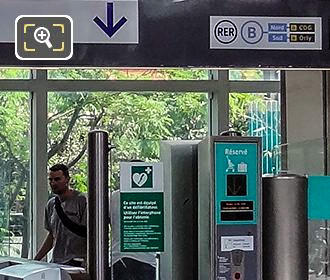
{"x":42,"y":35}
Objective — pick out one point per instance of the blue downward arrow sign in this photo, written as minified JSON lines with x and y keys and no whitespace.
{"x":110,"y":28}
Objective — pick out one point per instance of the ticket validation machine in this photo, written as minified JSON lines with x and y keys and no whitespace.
{"x":229,"y":203}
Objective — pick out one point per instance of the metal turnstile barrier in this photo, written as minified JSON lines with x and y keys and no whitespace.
{"x":179,"y":261}
{"x":229,"y":208}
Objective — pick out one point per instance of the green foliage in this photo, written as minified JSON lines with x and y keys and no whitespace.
{"x":79,"y":182}
{"x":136,"y":123}
{"x":239,"y":104}
{"x":14,"y":73}
{"x":4,"y":233}
{"x":129,"y":74}
{"x":6,"y":236}
{"x":14,"y":158}
{"x":4,"y":246}
{"x":251,"y":75}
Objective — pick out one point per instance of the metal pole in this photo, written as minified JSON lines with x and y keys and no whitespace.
{"x":285,"y":227}
{"x":98,"y":205}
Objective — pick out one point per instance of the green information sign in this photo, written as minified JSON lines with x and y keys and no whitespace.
{"x":142,"y":222}
{"x":141,"y":207}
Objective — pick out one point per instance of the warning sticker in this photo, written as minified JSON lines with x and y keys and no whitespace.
{"x":230,"y":243}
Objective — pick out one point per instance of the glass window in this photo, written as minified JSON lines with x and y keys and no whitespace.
{"x":259,"y":115}
{"x":136,"y":123}
{"x":128,"y":74}
{"x":254,"y":75}
{"x":14,"y":174}
{"x":14,"y":73}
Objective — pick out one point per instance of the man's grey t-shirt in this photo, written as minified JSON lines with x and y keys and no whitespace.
{"x":67,"y":245}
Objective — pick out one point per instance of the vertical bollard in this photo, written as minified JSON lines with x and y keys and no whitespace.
{"x":98,"y":205}
{"x":285,"y":227}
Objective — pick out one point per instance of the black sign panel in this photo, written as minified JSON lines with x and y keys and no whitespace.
{"x":302,"y":27}
{"x":236,"y":210}
{"x":177,"y":34}
{"x":241,"y":205}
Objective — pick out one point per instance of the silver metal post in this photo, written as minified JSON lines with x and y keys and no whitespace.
{"x":285,"y":227}
{"x":98,"y":205}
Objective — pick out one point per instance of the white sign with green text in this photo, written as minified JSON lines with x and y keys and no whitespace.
{"x":141,"y":207}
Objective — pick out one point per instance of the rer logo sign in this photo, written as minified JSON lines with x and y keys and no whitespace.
{"x":142,"y":176}
{"x":298,"y":33}
{"x":47,"y":37}
{"x":225,"y":32}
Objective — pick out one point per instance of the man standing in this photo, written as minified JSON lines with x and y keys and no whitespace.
{"x":69,"y":245}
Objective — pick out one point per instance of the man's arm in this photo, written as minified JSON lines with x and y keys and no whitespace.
{"x":45,"y":248}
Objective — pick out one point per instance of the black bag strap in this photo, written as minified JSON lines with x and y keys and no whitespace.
{"x":80,"y":230}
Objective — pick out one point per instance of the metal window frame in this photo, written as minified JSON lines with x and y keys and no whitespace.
{"x":218,"y":88}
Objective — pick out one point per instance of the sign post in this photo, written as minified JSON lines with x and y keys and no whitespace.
{"x":141,"y":207}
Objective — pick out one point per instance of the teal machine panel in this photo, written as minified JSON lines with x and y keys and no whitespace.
{"x":319,"y":197}
{"x":229,"y":208}
{"x":236,"y":179}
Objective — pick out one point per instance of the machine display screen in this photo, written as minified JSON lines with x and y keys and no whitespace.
{"x":236,"y":185}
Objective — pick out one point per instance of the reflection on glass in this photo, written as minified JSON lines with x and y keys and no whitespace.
{"x":305,"y":157}
{"x":14,"y":174}
{"x":258,"y":115}
{"x":254,"y":75}
{"x":318,"y":250}
{"x":128,"y":74}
